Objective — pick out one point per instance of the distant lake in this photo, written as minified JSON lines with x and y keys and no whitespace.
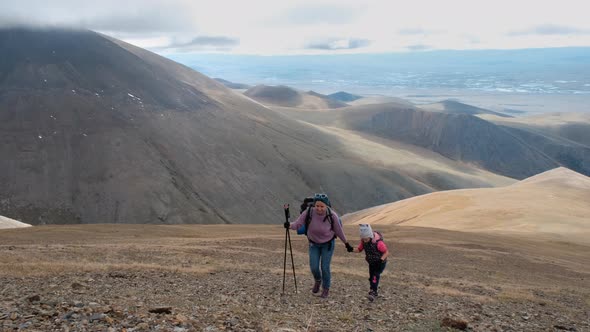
{"x":558,"y":72}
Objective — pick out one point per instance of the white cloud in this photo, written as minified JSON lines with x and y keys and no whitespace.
{"x":279,"y":27}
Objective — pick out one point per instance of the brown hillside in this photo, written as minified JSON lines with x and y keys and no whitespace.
{"x":460,"y":137}
{"x":565,"y":137}
{"x":551,"y":205}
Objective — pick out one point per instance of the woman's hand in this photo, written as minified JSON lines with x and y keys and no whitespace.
{"x":349,"y":248}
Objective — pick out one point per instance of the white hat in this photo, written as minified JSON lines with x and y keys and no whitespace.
{"x":366,"y":230}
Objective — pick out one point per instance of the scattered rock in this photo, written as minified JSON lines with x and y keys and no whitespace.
{"x":454,"y":323}
{"x":97,"y":317}
{"x":117,"y":275}
{"x":161,"y":310}
{"x":34,"y":298}
{"x":142,"y":326}
{"x":77,"y":285}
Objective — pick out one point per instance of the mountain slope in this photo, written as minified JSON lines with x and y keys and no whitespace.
{"x":564,"y":137}
{"x":94,"y":130}
{"x":552,"y":204}
{"x":460,"y":137}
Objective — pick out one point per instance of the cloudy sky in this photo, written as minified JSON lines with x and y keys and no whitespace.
{"x":315,"y":27}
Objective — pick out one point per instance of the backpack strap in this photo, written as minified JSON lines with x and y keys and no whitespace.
{"x":329,"y":216}
{"x":307,"y":219}
{"x":380,"y":236}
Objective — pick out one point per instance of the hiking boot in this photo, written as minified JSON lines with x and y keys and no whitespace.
{"x":316,"y":286}
{"x":325,"y":293}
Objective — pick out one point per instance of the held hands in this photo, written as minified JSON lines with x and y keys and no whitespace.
{"x":349,"y":248}
{"x":286,"y":225}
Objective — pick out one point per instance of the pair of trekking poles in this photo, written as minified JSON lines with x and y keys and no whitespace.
{"x":288,"y":239}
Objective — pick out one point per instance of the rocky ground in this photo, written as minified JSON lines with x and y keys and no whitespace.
{"x":213,"y":278}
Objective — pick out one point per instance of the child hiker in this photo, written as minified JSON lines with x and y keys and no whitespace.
{"x":375,"y":254}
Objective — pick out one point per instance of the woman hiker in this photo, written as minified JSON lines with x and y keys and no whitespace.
{"x":322,"y":228}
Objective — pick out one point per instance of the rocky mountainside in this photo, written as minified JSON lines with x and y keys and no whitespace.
{"x":94,"y":130}
{"x":461,"y":137}
{"x":565,"y":137}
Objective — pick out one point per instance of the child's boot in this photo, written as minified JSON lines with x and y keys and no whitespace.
{"x":325,"y":293}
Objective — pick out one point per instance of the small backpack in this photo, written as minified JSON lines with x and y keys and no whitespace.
{"x":373,"y":255}
{"x":380,"y":235}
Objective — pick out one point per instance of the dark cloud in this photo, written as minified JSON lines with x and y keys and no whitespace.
{"x":419,"y":47}
{"x":313,"y":14}
{"x":338,"y":44}
{"x":550,"y":29}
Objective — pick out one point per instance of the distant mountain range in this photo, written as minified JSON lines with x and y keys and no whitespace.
{"x":289,"y":97}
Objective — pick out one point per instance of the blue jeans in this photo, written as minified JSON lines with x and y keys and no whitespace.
{"x":321,"y":253}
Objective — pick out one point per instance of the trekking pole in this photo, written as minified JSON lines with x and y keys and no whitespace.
{"x":291,"y":251}
{"x":286,"y":206}
{"x":288,"y":238}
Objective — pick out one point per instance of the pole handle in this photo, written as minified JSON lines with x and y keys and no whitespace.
{"x":287,"y":214}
